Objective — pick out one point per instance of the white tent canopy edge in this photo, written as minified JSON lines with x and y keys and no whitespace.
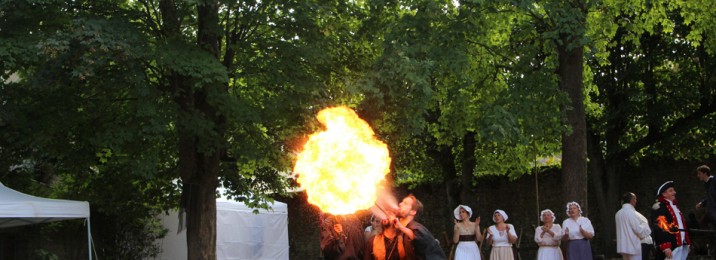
{"x":17,"y":209}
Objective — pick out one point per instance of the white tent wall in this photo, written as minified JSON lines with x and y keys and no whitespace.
{"x":240,"y":234}
{"x":17,"y":209}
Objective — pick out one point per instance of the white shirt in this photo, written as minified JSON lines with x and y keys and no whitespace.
{"x":499,"y":238}
{"x":677,"y":213}
{"x":573,"y":227}
{"x":632,"y":228}
{"x":547,"y":239}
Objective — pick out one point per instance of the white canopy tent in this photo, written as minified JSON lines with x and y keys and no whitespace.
{"x":240,"y":234}
{"x":17,"y":209}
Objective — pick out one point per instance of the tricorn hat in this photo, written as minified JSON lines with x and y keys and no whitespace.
{"x":664,"y":187}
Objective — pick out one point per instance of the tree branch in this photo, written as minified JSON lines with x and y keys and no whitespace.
{"x":678,"y":126}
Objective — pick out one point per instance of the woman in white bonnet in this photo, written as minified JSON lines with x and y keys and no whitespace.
{"x":501,"y":236}
{"x":466,"y":234}
{"x":548,"y":237}
{"x":578,"y":231}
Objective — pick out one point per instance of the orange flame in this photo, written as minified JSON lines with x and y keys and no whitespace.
{"x":342,"y":167}
{"x":668,"y":227}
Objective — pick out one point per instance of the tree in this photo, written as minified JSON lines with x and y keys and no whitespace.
{"x":652,"y":92}
{"x":561,"y":25}
{"x":461,"y":103}
{"x":569,"y":20}
{"x":64,"y":115}
{"x":206,"y":92}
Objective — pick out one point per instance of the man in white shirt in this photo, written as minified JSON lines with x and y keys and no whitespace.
{"x":632,"y":230}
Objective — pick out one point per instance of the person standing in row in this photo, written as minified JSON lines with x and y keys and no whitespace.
{"x":466,"y":234}
{"x":669,"y":225}
{"x":578,"y":231}
{"x":548,"y":237}
{"x":501,"y":236}
{"x":632,"y":230}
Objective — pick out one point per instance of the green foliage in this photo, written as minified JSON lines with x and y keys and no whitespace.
{"x":44,"y":255}
{"x":93,"y":110}
{"x":448,"y":70}
{"x":655,"y":85}
{"x":95,"y":105}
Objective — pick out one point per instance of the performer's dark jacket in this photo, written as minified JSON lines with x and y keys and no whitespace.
{"x":348,"y":245}
{"x":671,"y":237}
{"x":709,"y":201}
{"x":426,"y":247}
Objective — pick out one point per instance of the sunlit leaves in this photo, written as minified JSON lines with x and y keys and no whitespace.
{"x":655,"y":80}
{"x":445,"y":73}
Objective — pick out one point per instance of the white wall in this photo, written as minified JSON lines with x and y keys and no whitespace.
{"x":240,"y":233}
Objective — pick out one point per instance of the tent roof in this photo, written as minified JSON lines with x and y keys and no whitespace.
{"x":224,"y":203}
{"x":277,"y":207}
{"x":17,"y":209}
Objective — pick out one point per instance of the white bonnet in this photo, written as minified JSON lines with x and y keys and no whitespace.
{"x":541,"y":215}
{"x":575,"y":204}
{"x":456,"y":212}
{"x":502,"y":212}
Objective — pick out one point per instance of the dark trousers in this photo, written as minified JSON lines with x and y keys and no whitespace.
{"x":646,"y":251}
{"x":711,"y":217}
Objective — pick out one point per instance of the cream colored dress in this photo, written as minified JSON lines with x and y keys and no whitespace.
{"x":501,"y":246}
{"x":467,"y":250}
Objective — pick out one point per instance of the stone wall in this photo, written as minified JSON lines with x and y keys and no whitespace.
{"x":518,"y":198}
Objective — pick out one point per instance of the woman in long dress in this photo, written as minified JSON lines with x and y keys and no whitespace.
{"x":466,"y":234}
{"x":578,"y":231}
{"x":548,"y":237}
{"x":501,"y":236}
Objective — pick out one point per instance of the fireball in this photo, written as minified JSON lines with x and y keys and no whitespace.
{"x":341,"y":168}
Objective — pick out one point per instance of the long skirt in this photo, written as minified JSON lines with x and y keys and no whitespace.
{"x":467,"y":250}
{"x":549,"y":253}
{"x":579,"y":249}
{"x":501,"y":253}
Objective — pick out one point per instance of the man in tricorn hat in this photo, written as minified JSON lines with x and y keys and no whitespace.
{"x":669,"y":225}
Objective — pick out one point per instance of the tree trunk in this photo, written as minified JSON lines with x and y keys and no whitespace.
{"x":201,"y":209}
{"x":444,"y":156}
{"x":201,"y":213}
{"x":468,"y":166}
{"x":199,"y":174}
{"x":198,"y":167}
{"x":599,"y":173}
{"x":574,"y":143}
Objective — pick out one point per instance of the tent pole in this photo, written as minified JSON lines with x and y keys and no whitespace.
{"x":89,"y":239}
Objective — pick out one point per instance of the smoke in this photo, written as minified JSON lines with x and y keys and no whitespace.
{"x":385,"y":204}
